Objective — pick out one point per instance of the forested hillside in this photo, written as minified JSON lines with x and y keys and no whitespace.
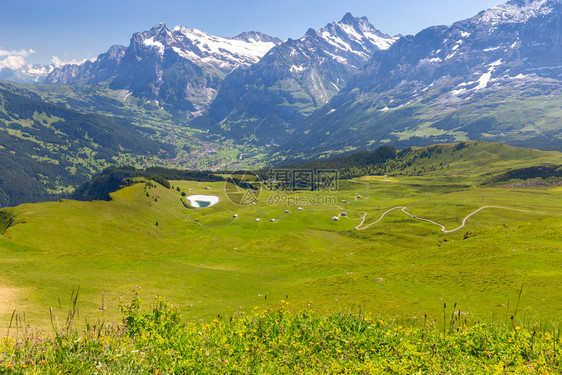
{"x":46,"y":150}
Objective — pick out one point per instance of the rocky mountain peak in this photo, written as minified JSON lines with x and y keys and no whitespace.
{"x":255,"y":36}
{"x":356,"y":35}
{"x":116,"y":51}
{"x":516,"y":11}
{"x":349,"y":19}
{"x":358,"y":22}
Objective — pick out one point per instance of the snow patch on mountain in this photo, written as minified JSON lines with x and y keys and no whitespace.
{"x":297,"y":69}
{"x":152,"y":43}
{"x":242,"y":50}
{"x":516,"y":11}
{"x":355,"y":35}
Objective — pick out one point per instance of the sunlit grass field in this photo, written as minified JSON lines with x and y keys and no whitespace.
{"x":399,"y":269}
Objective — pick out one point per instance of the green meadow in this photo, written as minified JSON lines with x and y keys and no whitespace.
{"x":208,"y":262}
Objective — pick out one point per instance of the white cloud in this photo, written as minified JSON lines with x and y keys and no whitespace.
{"x":21,"y":52}
{"x":14,"y":59}
{"x":13,"y":62}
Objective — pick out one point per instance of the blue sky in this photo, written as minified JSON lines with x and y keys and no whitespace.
{"x":38,"y":30}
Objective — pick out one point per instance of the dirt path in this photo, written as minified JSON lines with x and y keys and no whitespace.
{"x":365,"y":195}
{"x":403,"y":209}
{"x":207,"y":226}
{"x":364,"y":217}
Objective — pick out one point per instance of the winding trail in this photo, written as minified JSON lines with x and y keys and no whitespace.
{"x":403,"y":209}
{"x":281,"y":217}
{"x":361,"y":225}
{"x":365,"y":195}
{"x":364,"y":217}
{"x":376,"y":222}
{"x":208,"y":226}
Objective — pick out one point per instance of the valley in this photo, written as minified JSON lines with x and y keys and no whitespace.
{"x":194,"y":100}
{"x":335,"y":200}
{"x":397,"y":265}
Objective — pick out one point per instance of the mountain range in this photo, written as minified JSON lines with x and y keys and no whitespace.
{"x":496,"y":77}
{"x":27,"y":74}
{"x":180,"y":68}
{"x":345,"y":87}
{"x":265,"y":101}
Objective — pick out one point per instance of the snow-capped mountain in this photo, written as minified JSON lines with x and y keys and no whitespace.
{"x":354,"y":37}
{"x":224,"y":54}
{"x":180,"y":68}
{"x":269,"y":98}
{"x":516,"y":40}
{"x":496,"y":76}
{"x":494,"y":63}
{"x":516,"y":11}
{"x":27,"y":74}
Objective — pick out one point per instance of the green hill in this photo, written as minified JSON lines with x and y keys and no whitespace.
{"x":112,"y":179}
{"x":210,"y":262}
{"x":482,"y":161}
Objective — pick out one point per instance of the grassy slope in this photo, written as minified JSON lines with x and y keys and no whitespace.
{"x":512,"y":115}
{"x":194,"y":147}
{"x":481,"y":158}
{"x":47,"y":150}
{"x":399,"y":268}
{"x":274,"y":341}
{"x":475,"y":162}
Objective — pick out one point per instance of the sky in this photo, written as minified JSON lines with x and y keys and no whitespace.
{"x":59,"y":31}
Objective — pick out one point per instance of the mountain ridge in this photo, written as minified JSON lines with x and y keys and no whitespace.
{"x":179,"y":67}
{"x":495,"y":76}
{"x":265,"y":101}
{"x":503,"y":66}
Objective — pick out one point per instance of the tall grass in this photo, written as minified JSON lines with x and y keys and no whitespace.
{"x":158,"y":341}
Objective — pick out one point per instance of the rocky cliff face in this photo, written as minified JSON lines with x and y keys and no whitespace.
{"x":102,"y":70}
{"x":495,"y":76}
{"x":266,"y":101}
{"x":179,"y":68}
